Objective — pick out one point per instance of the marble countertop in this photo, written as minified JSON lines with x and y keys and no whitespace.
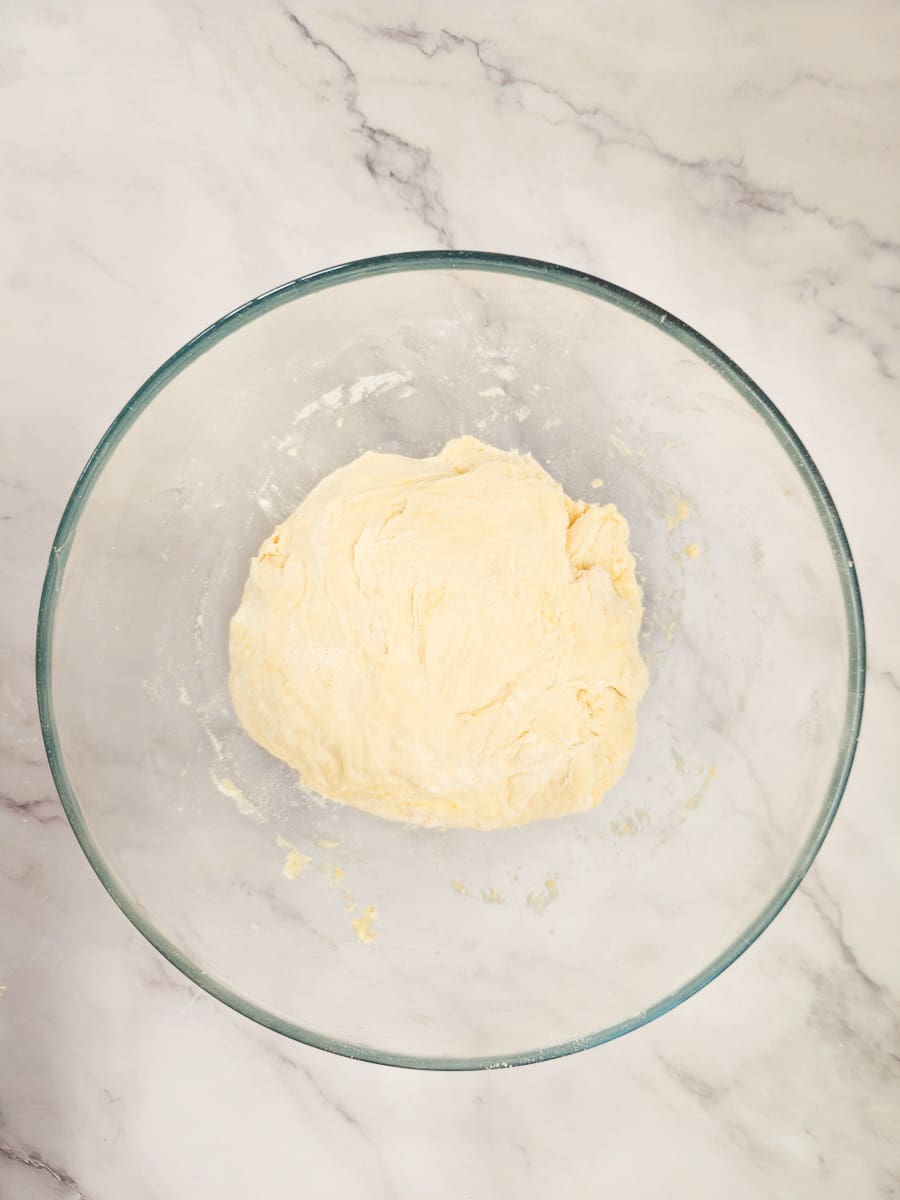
{"x":161,"y":163}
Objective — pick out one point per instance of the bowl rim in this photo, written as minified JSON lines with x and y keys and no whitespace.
{"x":456,"y":260}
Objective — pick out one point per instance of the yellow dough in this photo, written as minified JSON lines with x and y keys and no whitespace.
{"x":446,"y":641}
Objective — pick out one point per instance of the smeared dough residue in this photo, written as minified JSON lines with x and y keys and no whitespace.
{"x":539,"y":899}
{"x":362,"y":925}
{"x":693,"y":801}
{"x":295,"y":861}
{"x":680,"y":513}
{"x":230,"y":789}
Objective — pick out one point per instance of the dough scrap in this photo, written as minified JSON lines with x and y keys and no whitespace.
{"x":448,"y":641}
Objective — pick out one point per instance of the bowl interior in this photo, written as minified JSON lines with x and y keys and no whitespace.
{"x":489,"y":947}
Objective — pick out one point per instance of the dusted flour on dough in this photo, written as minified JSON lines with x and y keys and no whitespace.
{"x":447,"y":641}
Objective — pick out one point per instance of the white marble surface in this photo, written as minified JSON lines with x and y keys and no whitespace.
{"x":162,"y":162}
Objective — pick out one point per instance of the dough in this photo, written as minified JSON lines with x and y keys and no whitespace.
{"x":446,"y":641}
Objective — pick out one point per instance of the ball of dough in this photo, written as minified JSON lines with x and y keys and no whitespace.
{"x":447,"y":641}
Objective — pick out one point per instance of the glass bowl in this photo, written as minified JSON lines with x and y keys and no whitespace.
{"x":490,"y":949}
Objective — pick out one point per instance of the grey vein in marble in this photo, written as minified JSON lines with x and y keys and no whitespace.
{"x":388,"y":157}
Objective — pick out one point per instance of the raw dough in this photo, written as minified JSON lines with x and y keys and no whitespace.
{"x":446,"y":641}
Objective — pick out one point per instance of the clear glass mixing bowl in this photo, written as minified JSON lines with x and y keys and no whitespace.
{"x":490,"y":949}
